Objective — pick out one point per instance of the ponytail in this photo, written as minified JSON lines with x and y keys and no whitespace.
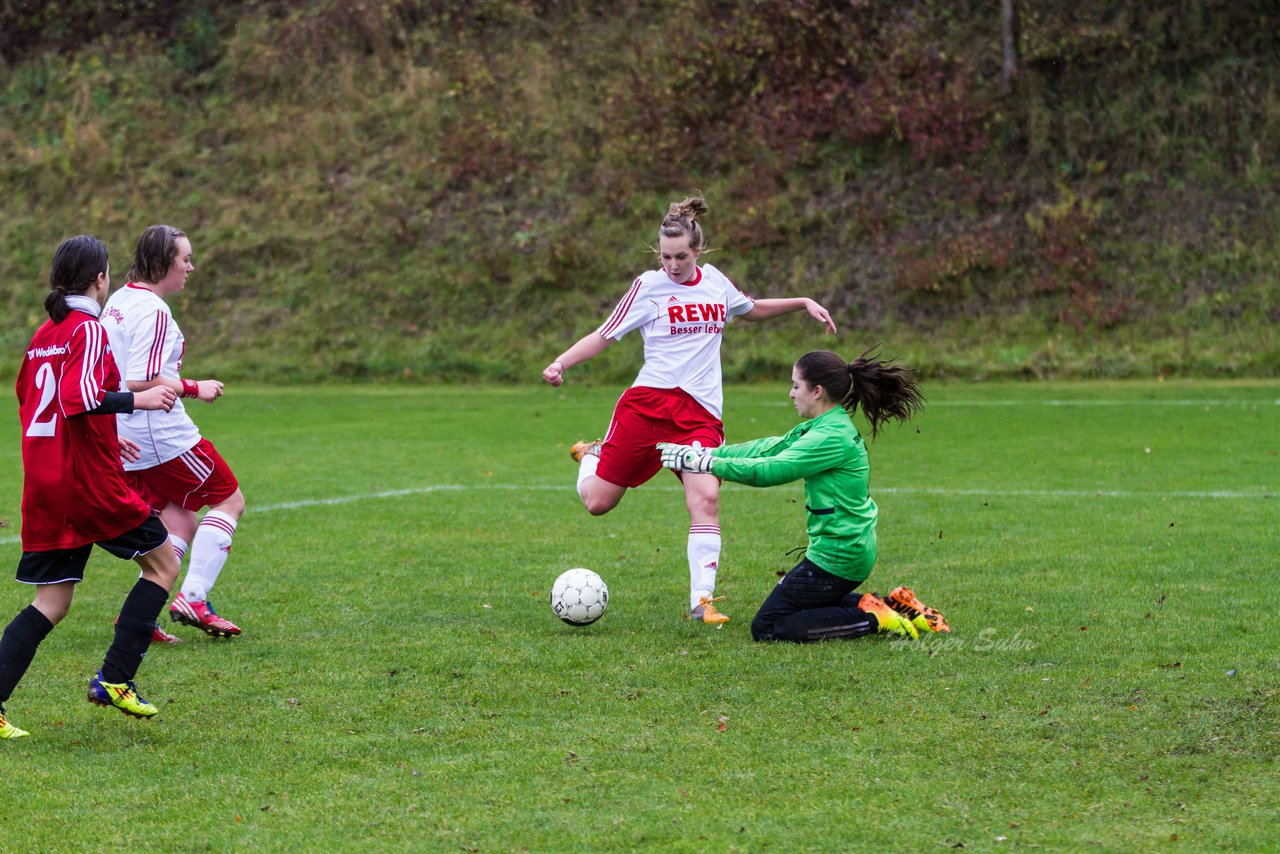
{"x":885,"y":390}
{"x":56,"y":303}
{"x":77,"y":263}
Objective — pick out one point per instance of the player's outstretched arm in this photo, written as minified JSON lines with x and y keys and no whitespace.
{"x":767,"y":308}
{"x":588,"y":347}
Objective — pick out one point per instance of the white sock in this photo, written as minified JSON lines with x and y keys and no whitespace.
{"x":179,"y":546}
{"x":704,"y":560}
{"x":586,"y":469}
{"x":209,"y":550}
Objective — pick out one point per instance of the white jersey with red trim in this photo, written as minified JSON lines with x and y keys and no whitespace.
{"x":148,"y":343}
{"x":681,"y":326}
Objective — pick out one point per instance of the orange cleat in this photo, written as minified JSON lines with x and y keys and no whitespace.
{"x":904,"y":601}
{"x":888,"y":620}
{"x":581,"y":448}
{"x":706,"y":612}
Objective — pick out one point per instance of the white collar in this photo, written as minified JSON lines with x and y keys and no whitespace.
{"x":80,"y":302}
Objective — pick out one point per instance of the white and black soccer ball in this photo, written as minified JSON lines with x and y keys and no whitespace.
{"x":579,"y":597}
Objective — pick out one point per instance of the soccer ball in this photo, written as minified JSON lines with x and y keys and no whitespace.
{"x":579,"y":597}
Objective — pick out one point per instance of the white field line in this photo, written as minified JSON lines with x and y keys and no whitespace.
{"x":880,"y":490}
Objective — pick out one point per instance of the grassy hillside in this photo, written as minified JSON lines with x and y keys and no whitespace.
{"x":406,"y":190}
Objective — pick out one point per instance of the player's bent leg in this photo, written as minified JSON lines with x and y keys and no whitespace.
{"x":54,"y":600}
{"x":179,"y":522}
{"x":600,"y":496}
{"x":113,"y":684}
{"x":702,"y":498}
{"x":806,"y":606}
{"x":209,"y":552}
{"x":18,"y":645}
{"x":233,"y":506}
{"x":160,"y":566}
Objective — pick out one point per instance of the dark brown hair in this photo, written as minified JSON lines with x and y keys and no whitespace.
{"x":157,"y":247}
{"x":682,"y":219}
{"x":882,"y":388}
{"x":76,"y":264}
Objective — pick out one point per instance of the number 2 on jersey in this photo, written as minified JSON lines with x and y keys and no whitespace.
{"x":48,"y":386}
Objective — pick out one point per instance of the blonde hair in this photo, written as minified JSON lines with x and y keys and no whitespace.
{"x":682,"y":220}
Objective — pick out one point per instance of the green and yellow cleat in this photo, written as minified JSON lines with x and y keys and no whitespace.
{"x":926,"y":619}
{"x":122,"y":695}
{"x":8,"y":730}
{"x":888,"y":620}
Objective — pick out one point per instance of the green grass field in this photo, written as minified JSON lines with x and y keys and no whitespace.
{"x":1105,"y":552}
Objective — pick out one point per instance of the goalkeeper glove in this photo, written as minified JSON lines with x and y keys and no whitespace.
{"x":687,"y":458}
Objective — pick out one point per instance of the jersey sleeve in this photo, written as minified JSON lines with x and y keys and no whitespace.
{"x":82,"y":384}
{"x":765,"y":447}
{"x":784,"y":460}
{"x":151,"y":339}
{"x":634,"y":310}
{"x":736,"y":301}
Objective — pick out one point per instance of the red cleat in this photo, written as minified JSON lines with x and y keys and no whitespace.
{"x":159,"y":635}
{"x":201,"y":615}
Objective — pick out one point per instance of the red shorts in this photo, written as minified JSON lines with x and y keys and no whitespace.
{"x":198,"y":478}
{"x":643,"y":418}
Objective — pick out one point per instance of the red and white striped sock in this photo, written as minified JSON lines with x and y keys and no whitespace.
{"x":704,"y":560}
{"x":209,"y":549}
{"x":179,"y":546}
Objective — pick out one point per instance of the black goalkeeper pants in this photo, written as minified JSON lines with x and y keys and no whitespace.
{"x":810,"y":604}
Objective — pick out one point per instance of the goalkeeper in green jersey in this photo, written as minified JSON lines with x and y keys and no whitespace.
{"x":816,"y":599}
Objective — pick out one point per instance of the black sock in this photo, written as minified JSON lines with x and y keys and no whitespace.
{"x":18,"y":647}
{"x":133,"y":631}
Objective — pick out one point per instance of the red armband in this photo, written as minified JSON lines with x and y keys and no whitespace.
{"x":190,"y":388}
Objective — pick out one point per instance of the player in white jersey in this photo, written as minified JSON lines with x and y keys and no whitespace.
{"x":177,"y":470}
{"x":681,"y":311}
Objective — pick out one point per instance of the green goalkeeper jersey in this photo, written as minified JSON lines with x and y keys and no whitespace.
{"x":829,"y":454}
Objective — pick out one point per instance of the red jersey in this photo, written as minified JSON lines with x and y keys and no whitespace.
{"x":74,"y":491}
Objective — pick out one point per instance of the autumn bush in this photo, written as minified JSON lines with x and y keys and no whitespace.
{"x":435,"y":190}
